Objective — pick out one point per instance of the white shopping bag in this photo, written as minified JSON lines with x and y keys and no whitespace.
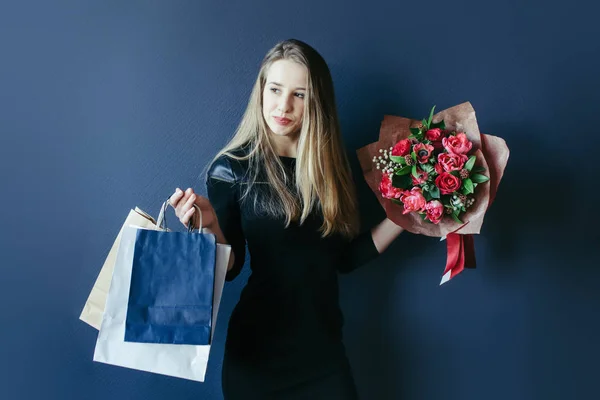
{"x":94,"y":306}
{"x":182,"y":361}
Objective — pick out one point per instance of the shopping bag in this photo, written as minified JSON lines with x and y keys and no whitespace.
{"x":171,"y":289}
{"x":181,"y":361}
{"x":94,"y":306}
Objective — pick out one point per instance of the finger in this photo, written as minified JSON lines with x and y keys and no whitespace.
{"x":174,"y":199}
{"x":190,"y":201}
{"x":187,"y":216}
{"x":186,"y":195}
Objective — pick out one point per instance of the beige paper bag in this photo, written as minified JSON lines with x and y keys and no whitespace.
{"x":94,"y":306}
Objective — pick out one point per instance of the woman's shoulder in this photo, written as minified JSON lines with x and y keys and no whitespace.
{"x":227,"y":168}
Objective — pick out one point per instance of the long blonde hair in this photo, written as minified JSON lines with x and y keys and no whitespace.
{"x":323,"y":176}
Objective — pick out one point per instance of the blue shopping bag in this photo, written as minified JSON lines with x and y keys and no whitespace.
{"x":171,"y":289}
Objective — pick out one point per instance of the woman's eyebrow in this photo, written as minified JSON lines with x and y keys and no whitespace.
{"x":279,"y":84}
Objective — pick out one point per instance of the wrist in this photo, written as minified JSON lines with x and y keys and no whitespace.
{"x":215,"y":230}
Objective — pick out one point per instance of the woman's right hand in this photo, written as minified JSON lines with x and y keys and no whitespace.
{"x":183,"y":203}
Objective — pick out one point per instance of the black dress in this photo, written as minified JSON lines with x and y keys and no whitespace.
{"x":284,"y":338}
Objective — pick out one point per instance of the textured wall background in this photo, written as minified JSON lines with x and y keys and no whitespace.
{"x":108,"y":105}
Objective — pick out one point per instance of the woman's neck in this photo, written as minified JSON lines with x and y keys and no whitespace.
{"x":285,"y":146}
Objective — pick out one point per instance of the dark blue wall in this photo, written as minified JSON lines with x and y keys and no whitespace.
{"x":107,"y":105}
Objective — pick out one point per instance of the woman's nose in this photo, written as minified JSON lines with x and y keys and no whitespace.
{"x":285,"y":104}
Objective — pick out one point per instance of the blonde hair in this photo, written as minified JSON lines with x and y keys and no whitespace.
{"x":323,"y":176}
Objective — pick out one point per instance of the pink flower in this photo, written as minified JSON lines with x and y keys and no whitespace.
{"x":447,"y":183}
{"x":452,"y":162}
{"x":387,"y":190}
{"x":423,"y":152}
{"x":435,"y":211}
{"x":402,"y":148}
{"x":413,"y":201}
{"x":458,"y":144}
{"x":423,"y":176}
{"x":438,"y":168}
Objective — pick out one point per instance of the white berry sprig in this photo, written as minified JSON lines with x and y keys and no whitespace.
{"x":384,"y":163}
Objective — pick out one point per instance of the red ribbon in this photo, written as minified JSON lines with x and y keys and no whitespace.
{"x":461,"y":255}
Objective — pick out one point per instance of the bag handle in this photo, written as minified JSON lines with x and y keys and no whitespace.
{"x":162,"y":218}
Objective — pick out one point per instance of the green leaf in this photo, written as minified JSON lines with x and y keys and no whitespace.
{"x":430,"y":117}
{"x":431,"y":192}
{"x":397,"y":202}
{"x":469,"y":165}
{"x":427,"y":167}
{"x":455,"y":217}
{"x":404,"y":170}
{"x":414,"y":171}
{"x":478,"y":178}
{"x":455,"y":173}
{"x":413,"y":155}
{"x":468,"y":186}
{"x":415,"y":131}
{"x":478,"y":168}
{"x":398,"y":159}
{"x":402,"y":181}
{"x":441,"y":125}
{"x":423,"y":216}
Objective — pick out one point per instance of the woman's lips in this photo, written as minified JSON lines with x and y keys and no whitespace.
{"x":282,"y":121}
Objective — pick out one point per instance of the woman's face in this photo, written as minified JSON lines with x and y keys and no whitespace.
{"x":283,"y":97}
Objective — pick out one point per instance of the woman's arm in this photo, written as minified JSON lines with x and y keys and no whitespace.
{"x":384,"y":234}
{"x":368,"y":245}
{"x":215,"y":230}
{"x":223,"y":192}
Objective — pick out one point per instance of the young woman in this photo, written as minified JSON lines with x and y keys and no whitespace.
{"x":283,"y":186}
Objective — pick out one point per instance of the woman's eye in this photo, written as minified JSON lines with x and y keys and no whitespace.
{"x":300,"y":95}
{"x":274,"y":90}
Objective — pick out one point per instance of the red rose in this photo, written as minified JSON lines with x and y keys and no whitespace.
{"x":447,"y":183}
{"x":438,"y":168}
{"x":435,"y":135}
{"x":435,"y":211}
{"x":413,"y":201}
{"x":423,"y":152}
{"x":458,"y":144}
{"x":401,"y":148}
{"x":452,"y":162}
{"x":387,"y":190}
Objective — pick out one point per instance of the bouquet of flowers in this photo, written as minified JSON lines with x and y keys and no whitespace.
{"x":437,"y":177}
